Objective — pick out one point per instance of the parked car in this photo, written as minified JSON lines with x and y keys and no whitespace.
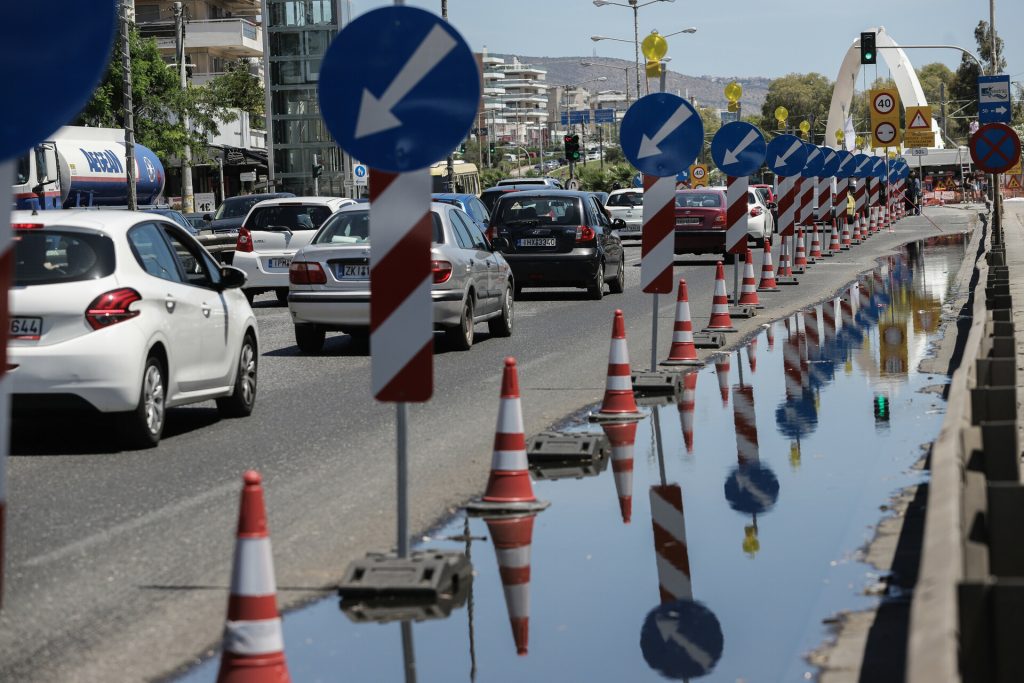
{"x":233,"y":210}
{"x":274,"y":230}
{"x":551,"y":165}
{"x":559,"y":238}
{"x":760,"y":223}
{"x":469,"y":203}
{"x":547,"y":182}
{"x":124,"y":312}
{"x":330,"y":285}
{"x":198,"y":220}
{"x":767,"y":196}
{"x":490,"y":196}
{"x":628,"y":205}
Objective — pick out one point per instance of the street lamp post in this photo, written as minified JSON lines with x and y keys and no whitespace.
{"x":634,"y":5}
{"x":625,"y":70}
{"x":636,"y":43}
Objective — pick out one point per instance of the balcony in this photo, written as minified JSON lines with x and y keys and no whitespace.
{"x":234,"y":38}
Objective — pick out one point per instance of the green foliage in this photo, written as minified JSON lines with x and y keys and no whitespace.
{"x":593,"y":179}
{"x":489,"y":177}
{"x":614,"y":155}
{"x":238,"y":89}
{"x":965,"y":88}
{"x":712,"y":121}
{"x":806,"y":96}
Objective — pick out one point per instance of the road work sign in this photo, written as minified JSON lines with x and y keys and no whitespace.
{"x":919,"y":127}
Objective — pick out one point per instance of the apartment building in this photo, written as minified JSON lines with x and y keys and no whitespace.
{"x":515,"y":100}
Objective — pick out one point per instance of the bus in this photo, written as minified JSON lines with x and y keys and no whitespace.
{"x":467,"y":177}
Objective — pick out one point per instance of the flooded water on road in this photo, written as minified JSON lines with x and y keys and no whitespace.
{"x":717,"y":556}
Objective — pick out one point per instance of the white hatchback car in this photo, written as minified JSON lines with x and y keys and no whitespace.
{"x":125,"y":312}
{"x":272,"y":232}
{"x":628,"y":205}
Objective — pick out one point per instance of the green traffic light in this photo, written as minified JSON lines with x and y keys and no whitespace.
{"x":881,"y":405}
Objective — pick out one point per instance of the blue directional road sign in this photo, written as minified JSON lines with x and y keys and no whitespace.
{"x":828,"y":169}
{"x":683,"y":176}
{"x":681,"y":640}
{"x":738,"y":149}
{"x":399,"y":88}
{"x":786,"y":155}
{"x":878,"y":167}
{"x":661,"y":134}
{"x":638,"y":180}
{"x":815,"y":161}
{"x":845,"y":167}
{"x":995,"y":148}
{"x":36,"y":41}
{"x":752,"y":489}
{"x":994,"y":99}
{"x":571,"y":117}
{"x":861,"y":165}
{"x":604,"y":116}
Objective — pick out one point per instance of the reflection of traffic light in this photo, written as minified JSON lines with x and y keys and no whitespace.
{"x":867,"y":48}
{"x":881,"y":404}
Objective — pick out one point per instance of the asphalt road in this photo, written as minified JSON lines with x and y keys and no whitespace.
{"x":119,"y":562}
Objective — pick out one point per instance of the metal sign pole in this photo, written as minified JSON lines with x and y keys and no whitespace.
{"x":402,"y":462}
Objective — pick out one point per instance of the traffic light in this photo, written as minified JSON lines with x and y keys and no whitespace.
{"x":318,"y":168}
{"x":493,"y":147}
{"x":881,"y":404}
{"x":572,"y":147}
{"x":868,"y":55}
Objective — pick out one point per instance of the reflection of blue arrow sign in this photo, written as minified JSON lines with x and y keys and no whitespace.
{"x":828,"y":169}
{"x":862,"y":165}
{"x":846,"y":165}
{"x":815,"y":160}
{"x":416,"y":84}
{"x":661,"y":134}
{"x":752,"y":489}
{"x":738,"y":149}
{"x":681,"y":639}
{"x":786,"y":155}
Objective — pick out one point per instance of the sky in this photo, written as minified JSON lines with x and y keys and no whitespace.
{"x":734,"y":37}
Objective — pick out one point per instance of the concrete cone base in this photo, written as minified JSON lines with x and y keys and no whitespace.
{"x":479,"y":506}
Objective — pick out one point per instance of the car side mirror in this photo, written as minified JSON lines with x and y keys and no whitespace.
{"x":500,"y":244}
{"x":618,"y":224}
{"x":772,"y":206}
{"x":231,"y":277}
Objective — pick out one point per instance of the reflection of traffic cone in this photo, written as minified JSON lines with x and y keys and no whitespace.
{"x":619,"y":403}
{"x":512,"y":537}
{"x":748,"y":286}
{"x":811,"y":330}
{"x":673,"y":557}
{"x":622,"y":437}
{"x":509,"y":488}
{"x":800,"y":262}
{"x":722,"y":366}
{"x":752,"y":354}
{"x":767,"y":283}
{"x":791,"y":363}
{"x":253,"y":643}
{"x":720,"y":319}
{"x":683,"y":351}
{"x":815,"y":243}
{"x":687,"y":404}
{"x":770,"y":334}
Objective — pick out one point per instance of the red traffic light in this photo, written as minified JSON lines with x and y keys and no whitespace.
{"x":567,"y":139}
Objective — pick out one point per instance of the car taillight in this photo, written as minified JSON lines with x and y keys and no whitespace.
{"x":26,"y":226}
{"x":306,"y":273}
{"x":111,"y":308}
{"x":442,"y":271}
{"x":756,"y":211}
{"x":585,"y":234}
{"x":719,"y":219}
{"x":244,"y":241}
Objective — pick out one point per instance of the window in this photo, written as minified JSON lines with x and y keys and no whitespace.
{"x":478,"y":211}
{"x":43,"y":257}
{"x":479,"y":241}
{"x":462,"y":234}
{"x":698,"y":199}
{"x":602,"y":219}
{"x":151,"y":251}
{"x":626,"y":199}
{"x":190,"y":259}
{"x":22,"y":173}
{"x":539,"y":210}
{"x":345,"y":227}
{"x":289,"y":216}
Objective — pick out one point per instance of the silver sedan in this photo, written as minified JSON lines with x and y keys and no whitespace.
{"x":329,"y":279}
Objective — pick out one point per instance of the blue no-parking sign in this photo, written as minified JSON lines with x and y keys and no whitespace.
{"x":399,"y":88}
{"x":738,"y":149}
{"x":661,"y":134}
{"x":995,"y":148}
{"x":786,"y":155}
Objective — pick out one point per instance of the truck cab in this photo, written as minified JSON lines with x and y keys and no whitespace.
{"x":37,"y":179}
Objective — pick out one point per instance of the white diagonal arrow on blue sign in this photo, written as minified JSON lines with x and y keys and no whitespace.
{"x":649,"y":146}
{"x":780,"y":160}
{"x":732,"y":155}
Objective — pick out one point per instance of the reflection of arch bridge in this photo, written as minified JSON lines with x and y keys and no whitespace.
{"x":902,"y":73}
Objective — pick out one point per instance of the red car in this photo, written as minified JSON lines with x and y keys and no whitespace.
{"x":701,"y":223}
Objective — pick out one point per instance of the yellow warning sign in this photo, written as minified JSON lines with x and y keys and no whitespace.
{"x":1015,"y":169}
{"x":1012,"y":183}
{"x":698,"y":175}
{"x":919,"y":127}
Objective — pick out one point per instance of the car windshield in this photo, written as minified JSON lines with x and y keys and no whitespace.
{"x":293,"y":217}
{"x":491,"y":197}
{"x":541,"y":210}
{"x":762,"y":194}
{"x":626,"y":199}
{"x":698,"y":199}
{"x":353,"y":227}
{"x":236,"y":207}
{"x":176,"y":217}
{"x":50,"y":256}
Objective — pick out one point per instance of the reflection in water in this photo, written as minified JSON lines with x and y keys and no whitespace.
{"x":722,"y":367}
{"x":512,"y":537}
{"x":687,"y":404}
{"x":622,"y":437}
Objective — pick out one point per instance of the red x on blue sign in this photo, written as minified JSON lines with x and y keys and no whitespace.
{"x":995,"y":148}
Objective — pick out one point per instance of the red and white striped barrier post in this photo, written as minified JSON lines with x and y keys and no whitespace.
{"x":873,"y":204}
{"x":513,"y":540}
{"x":787,"y":221}
{"x":673,"y":557}
{"x":736,"y":220}
{"x":807,"y":191}
{"x":253,"y":650}
{"x":687,"y":404}
{"x":657,"y":251}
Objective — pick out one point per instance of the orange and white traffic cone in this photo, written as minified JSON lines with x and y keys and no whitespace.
{"x":815,"y":243}
{"x":722,"y":366}
{"x":785,"y":267}
{"x":683,"y":351}
{"x":833,"y":243}
{"x":253,"y":642}
{"x":800,"y":262}
{"x":720,"y":321}
{"x":748,"y":286}
{"x":767,"y":283}
{"x":622,"y":437}
{"x":846,"y":237}
{"x":618,"y":404}
{"x":509,"y":488}
{"x":513,"y":538}
{"x":687,"y":404}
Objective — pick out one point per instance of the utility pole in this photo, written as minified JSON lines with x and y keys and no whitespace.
{"x":450,"y":168}
{"x":188,"y":200}
{"x":997,"y":214}
{"x":127,"y":17}
{"x":942,"y":110}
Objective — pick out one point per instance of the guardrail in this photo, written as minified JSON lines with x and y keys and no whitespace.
{"x":967,"y":614}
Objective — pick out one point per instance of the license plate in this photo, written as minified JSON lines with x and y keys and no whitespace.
{"x":26,"y":328}
{"x":278,"y":262}
{"x":343,"y":272}
{"x":536,"y":242}
{"x":688,"y":220}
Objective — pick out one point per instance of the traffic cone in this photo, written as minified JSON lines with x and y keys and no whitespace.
{"x":722,"y":366}
{"x":785,"y":267}
{"x":815,"y":243}
{"x":683,"y":351}
{"x":509,"y":488}
{"x":513,"y":538}
{"x":253,"y":642}
{"x":622,"y":437}
{"x":687,"y":404}
{"x":800,"y":262}
{"x":720,"y":321}
{"x":833,"y":244}
{"x":768,"y":283}
{"x":752,"y":355}
{"x":847,"y":239}
{"x":619,"y":403}
{"x":855,"y":237}
{"x":748,"y":286}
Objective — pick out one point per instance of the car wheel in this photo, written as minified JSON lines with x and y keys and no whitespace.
{"x":596,"y":289}
{"x":145,"y":424}
{"x":460,"y":337}
{"x":502,"y":325}
{"x":618,"y":285}
{"x":249,"y":295}
{"x":310,"y":338}
{"x":282,"y":295}
{"x":243,"y":398}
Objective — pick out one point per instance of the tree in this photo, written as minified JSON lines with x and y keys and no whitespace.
{"x":238,"y":88}
{"x":806,"y":96}
{"x":614,"y":155}
{"x":964,"y":90}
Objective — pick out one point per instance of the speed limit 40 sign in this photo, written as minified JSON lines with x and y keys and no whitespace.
{"x":698,"y":175}
{"x":885,"y":117}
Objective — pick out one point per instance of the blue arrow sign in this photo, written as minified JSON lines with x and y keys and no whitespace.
{"x":861,"y":165}
{"x":845,"y":167}
{"x":738,"y":149}
{"x":994,"y":99}
{"x":878,"y":167}
{"x":399,"y":88}
{"x":786,"y":155}
{"x":661,"y":134}
{"x":815,"y":161}
{"x":38,"y":41}
{"x":681,"y":640}
{"x":752,"y":489}
{"x":683,"y":176}
{"x":831,"y":162}
{"x":638,"y":180}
